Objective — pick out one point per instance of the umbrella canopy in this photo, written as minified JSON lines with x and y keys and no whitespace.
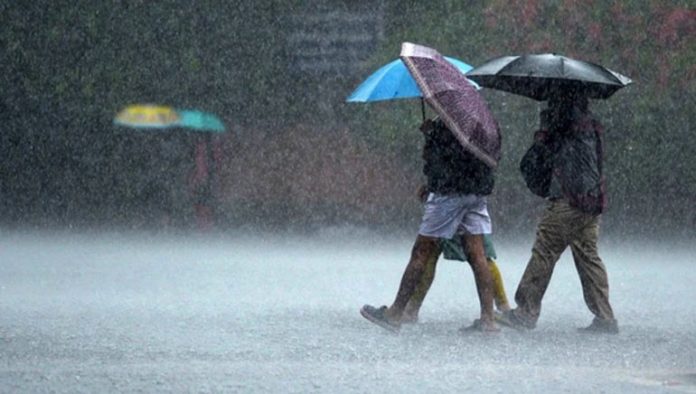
{"x":539,"y":76}
{"x":147,"y":116}
{"x":201,"y":121}
{"x":393,"y":81}
{"x":457,"y":102}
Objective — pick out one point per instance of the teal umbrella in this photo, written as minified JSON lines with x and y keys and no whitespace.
{"x":201,"y":121}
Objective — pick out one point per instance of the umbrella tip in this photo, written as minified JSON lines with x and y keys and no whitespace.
{"x":407,"y":47}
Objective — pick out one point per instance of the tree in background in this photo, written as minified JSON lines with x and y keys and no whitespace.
{"x":68,"y":69}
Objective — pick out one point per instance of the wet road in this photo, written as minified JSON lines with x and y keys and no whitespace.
{"x":115,"y":313}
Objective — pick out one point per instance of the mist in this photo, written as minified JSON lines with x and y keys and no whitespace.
{"x":257,"y":313}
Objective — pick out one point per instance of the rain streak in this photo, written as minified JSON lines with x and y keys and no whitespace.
{"x":348,"y":196}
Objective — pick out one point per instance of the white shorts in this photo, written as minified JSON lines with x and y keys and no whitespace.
{"x":448,"y":215}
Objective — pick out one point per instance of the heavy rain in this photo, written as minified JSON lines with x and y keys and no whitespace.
{"x":188,"y":202}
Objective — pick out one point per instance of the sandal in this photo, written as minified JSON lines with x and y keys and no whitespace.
{"x":476,"y":326}
{"x":376,"y":315}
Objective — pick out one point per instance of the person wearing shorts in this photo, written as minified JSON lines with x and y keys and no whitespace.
{"x":456,"y":207}
{"x":452,"y":250}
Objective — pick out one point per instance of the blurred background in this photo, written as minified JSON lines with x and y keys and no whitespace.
{"x":295,"y":155}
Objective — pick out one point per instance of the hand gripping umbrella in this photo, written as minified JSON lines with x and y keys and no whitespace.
{"x":540,"y":76}
{"x":455,"y":100}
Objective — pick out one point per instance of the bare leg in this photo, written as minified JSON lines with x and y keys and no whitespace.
{"x":474,"y":247}
{"x":413,"y":306}
{"x":423,"y":248}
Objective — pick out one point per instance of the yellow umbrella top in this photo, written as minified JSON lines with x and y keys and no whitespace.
{"x":147,"y":116}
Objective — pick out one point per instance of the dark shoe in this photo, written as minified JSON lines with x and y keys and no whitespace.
{"x":511,"y":320}
{"x":376,"y":315}
{"x":601,"y":326}
{"x":476,"y":326}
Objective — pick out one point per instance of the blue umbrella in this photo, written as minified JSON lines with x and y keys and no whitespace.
{"x":393,"y":81}
{"x":201,"y":121}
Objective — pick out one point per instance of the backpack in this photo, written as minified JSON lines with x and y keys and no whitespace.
{"x":537,"y":167}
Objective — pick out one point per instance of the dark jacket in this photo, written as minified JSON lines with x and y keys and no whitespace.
{"x":567,"y":163}
{"x":451,"y":169}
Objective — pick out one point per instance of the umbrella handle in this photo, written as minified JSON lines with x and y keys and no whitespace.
{"x":423,"y":108}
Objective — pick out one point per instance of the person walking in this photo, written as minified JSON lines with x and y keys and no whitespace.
{"x":452,"y":250}
{"x":456,"y":206}
{"x":564,"y":165}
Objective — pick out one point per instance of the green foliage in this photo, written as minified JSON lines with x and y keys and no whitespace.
{"x":67,"y":69}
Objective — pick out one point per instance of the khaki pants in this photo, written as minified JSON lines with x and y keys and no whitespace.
{"x":562,"y":226}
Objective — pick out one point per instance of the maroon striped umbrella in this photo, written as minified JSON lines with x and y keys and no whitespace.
{"x":455,"y":100}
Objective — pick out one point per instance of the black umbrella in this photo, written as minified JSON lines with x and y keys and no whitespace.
{"x":540,"y":76}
